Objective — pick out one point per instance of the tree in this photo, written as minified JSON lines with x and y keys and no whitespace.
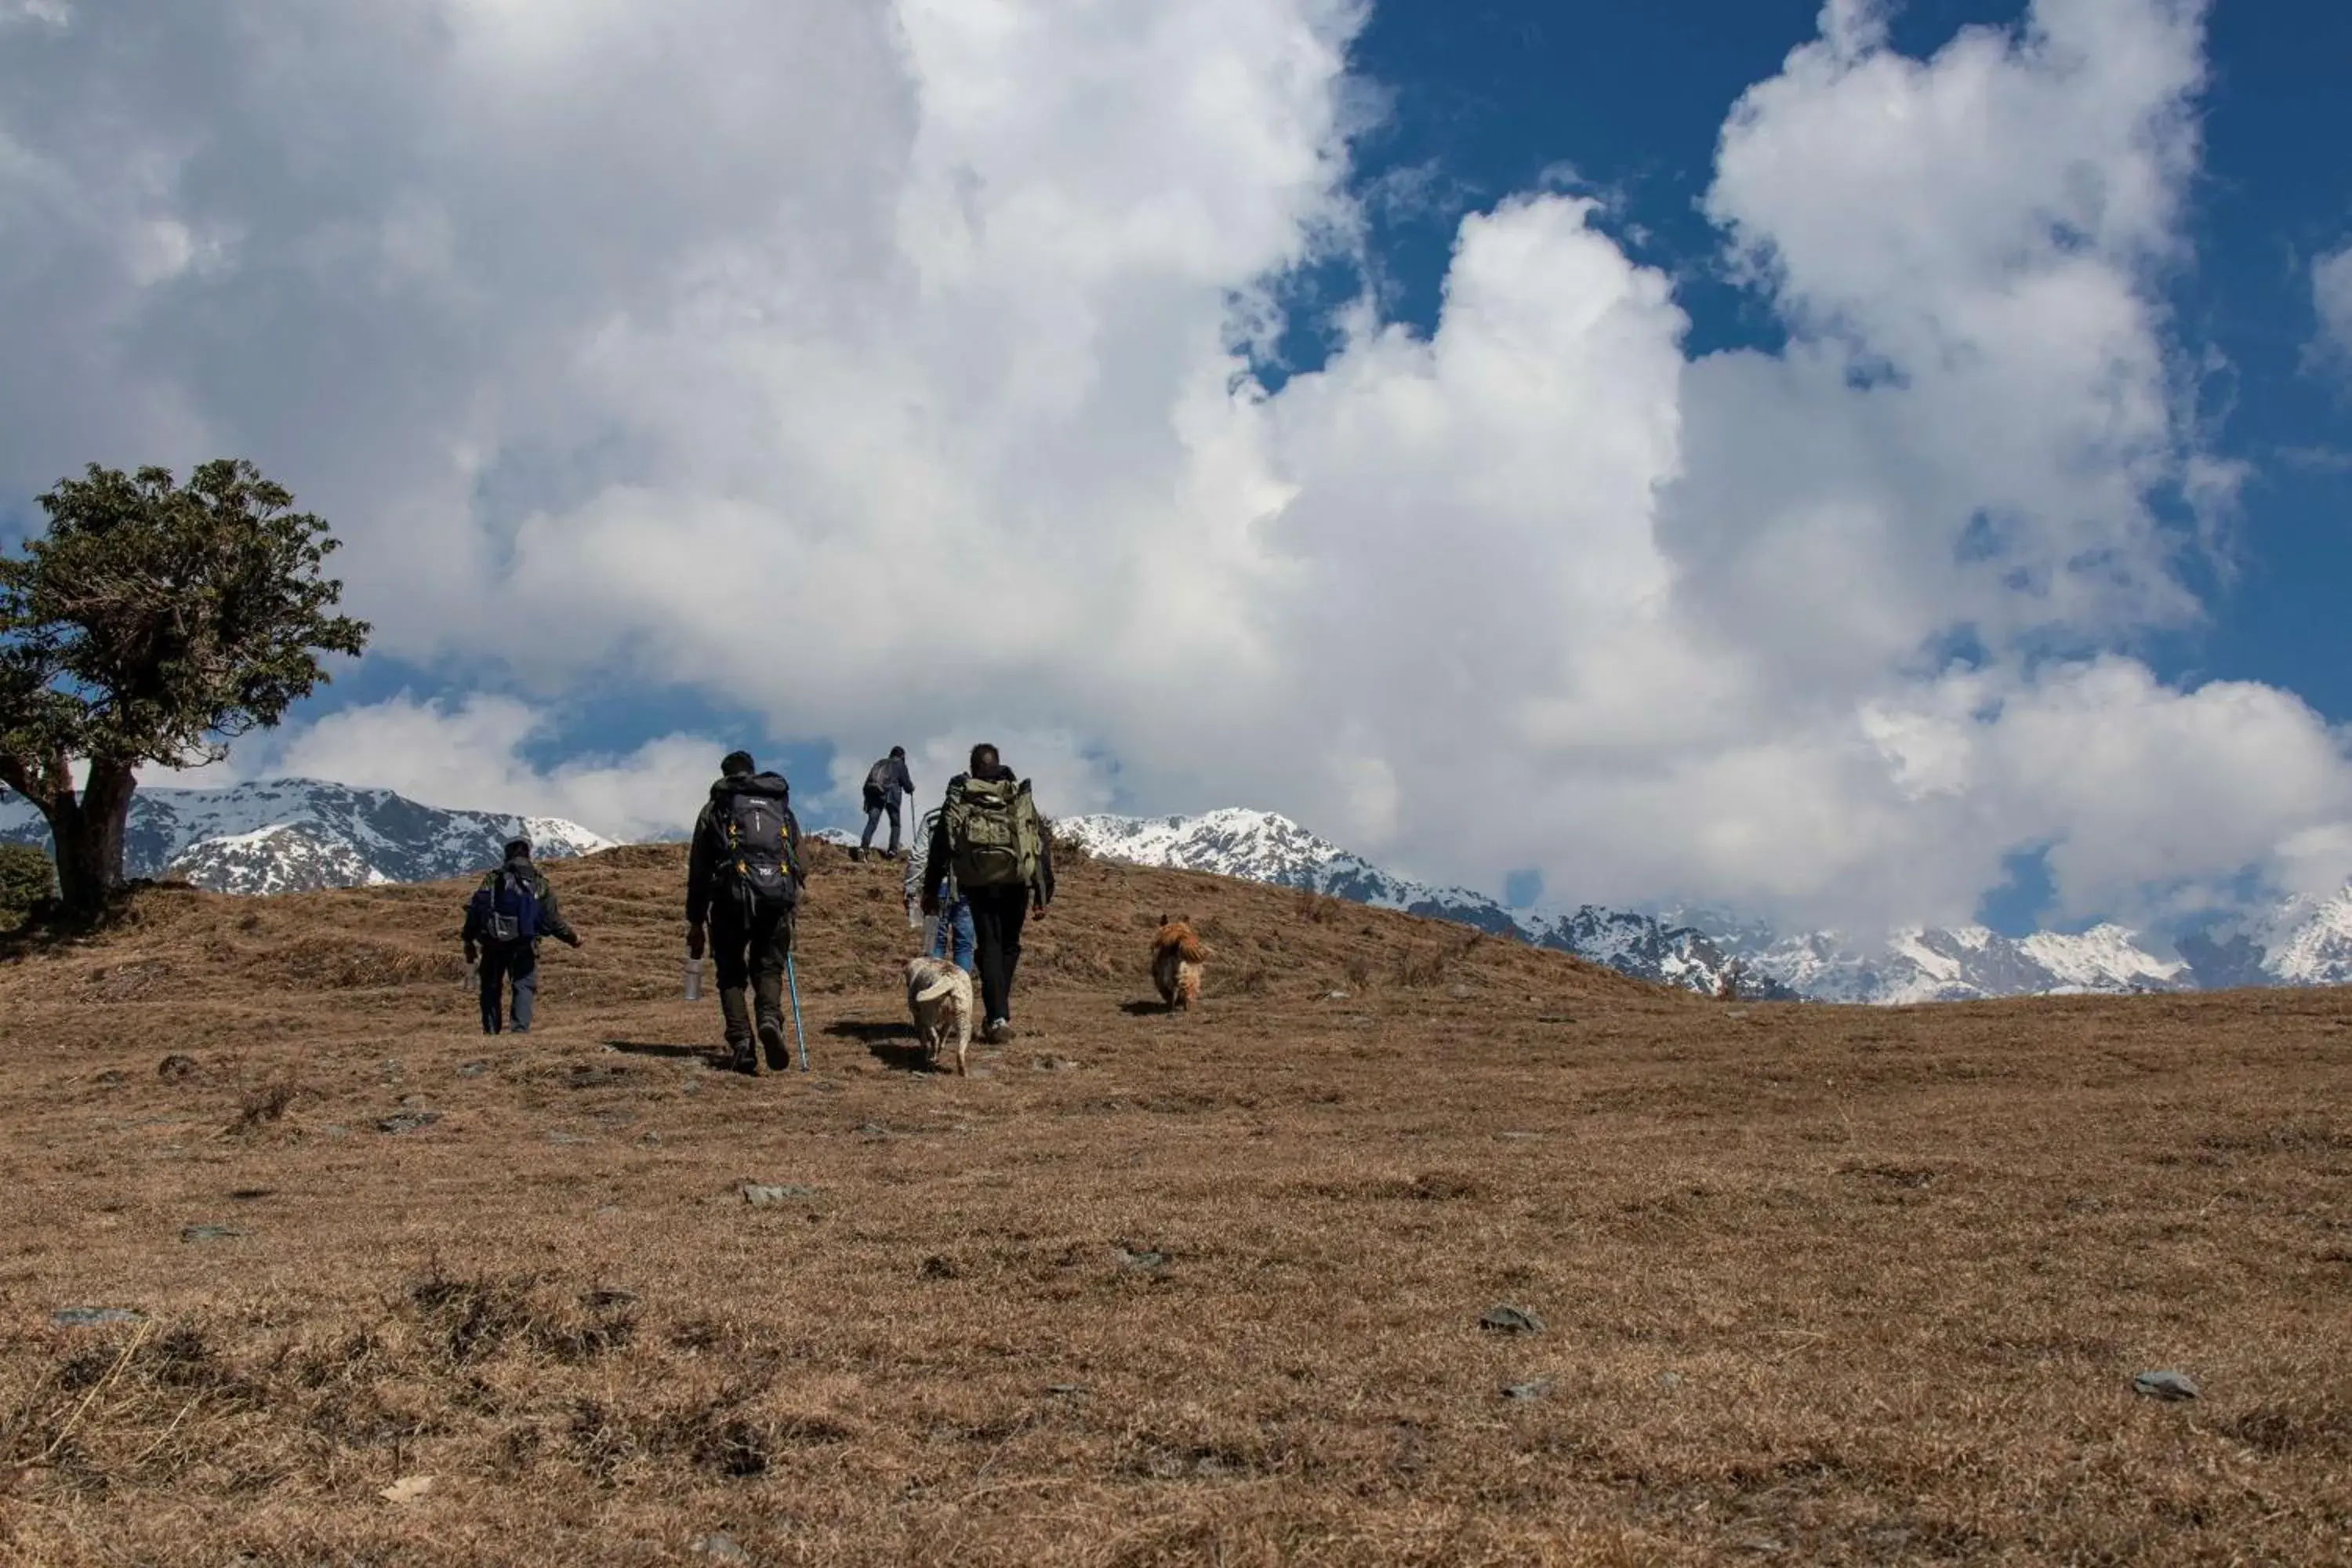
{"x":152,"y":623}
{"x":24,"y":881}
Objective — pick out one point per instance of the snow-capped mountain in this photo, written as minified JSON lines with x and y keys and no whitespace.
{"x":1264,"y":847}
{"x":290,"y":835}
{"x":2308,"y":943}
{"x":2303,"y":942}
{"x":1962,"y":963}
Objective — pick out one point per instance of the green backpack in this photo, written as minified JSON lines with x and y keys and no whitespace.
{"x":995,"y":839}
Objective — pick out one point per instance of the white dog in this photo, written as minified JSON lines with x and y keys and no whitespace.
{"x":938,"y":994}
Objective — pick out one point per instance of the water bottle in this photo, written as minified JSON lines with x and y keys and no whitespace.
{"x":693,"y":972}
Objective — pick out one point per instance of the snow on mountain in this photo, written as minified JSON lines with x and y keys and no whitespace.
{"x":1965,"y":964}
{"x":2308,"y":941}
{"x":1694,"y":948}
{"x":2099,"y":958}
{"x":297,"y":835}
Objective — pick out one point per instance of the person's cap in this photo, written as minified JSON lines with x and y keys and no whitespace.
{"x":898,"y":750}
{"x":518,"y":847}
{"x":736,"y":763}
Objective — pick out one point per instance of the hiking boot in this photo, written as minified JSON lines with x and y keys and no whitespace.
{"x":999,"y":1031}
{"x":743,"y":1059}
{"x":771,"y":1040}
{"x":858,"y":857}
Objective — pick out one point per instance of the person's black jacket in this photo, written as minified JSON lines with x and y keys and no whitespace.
{"x":551,"y":919}
{"x":939,"y":862}
{"x":706,"y":861}
{"x":897,"y":783}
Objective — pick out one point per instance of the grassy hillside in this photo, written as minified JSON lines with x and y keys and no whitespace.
{"x":1815,"y":1285}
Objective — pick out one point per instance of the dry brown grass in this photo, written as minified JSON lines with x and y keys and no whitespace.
{"x":1818,"y":1286}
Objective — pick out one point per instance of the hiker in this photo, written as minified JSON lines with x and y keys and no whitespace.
{"x":742,"y":883}
{"x":994,"y":843}
{"x":887,"y":783}
{"x":951,"y":934}
{"x":507,"y":914}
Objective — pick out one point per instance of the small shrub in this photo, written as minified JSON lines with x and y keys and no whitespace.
{"x":1423,"y":966}
{"x":265,"y":1105}
{"x":1315,"y":908}
{"x":26,"y":878}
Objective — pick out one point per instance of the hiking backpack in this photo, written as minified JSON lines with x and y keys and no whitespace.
{"x":994,"y":838}
{"x":878,"y":778}
{"x":758,"y":830}
{"x":506,"y":908}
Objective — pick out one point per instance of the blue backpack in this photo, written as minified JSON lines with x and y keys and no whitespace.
{"x":504,"y":908}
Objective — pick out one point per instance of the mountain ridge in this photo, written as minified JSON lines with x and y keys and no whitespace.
{"x":2303,"y":942}
{"x":283,"y":836}
{"x":294,"y":835}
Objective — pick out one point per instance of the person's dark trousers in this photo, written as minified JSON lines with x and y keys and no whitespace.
{"x":997,"y":916}
{"x":748,"y":949}
{"x":502,"y":962}
{"x":874,"y":814}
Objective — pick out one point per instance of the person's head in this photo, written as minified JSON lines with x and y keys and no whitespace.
{"x":899,"y":752}
{"x":518,"y":848}
{"x":736,"y":765}
{"x":985,"y":759}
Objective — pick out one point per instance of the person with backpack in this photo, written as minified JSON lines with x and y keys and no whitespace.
{"x":951,"y":934}
{"x":887,"y":783}
{"x":513,"y":907}
{"x":743,"y":885}
{"x":992,"y":841}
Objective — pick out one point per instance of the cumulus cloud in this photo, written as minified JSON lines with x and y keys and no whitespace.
{"x":2331,"y":296}
{"x":892,"y":363}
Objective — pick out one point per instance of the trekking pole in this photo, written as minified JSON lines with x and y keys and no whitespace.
{"x":792,"y":980}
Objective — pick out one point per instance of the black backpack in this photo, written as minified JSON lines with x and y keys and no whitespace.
{"x":878,"y":778}
{"x":755,"y":825}
{"x":506,"y":908}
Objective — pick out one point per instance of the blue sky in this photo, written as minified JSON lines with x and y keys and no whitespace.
{"x":1856,"y":464}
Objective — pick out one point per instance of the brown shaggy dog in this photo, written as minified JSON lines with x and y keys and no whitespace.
{"x":1176,"y":956}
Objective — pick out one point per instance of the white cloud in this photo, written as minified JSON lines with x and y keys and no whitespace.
{"x":886,"y":366}
{"x":2331,"y":296}
{"x":470,"y":755}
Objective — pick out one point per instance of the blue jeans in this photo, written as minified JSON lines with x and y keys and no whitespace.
{"x":955,"y":921}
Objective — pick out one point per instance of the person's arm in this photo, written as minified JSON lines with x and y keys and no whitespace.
{"x":698,"y":873}
{"x":1041,"y":886}
{"x":934,"y":864}
{"x":471,"y":933}
{"x":906,"y":782}
{"x":551,"y":916}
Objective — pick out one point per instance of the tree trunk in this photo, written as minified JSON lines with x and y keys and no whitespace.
{"x":86,"y":828}
{"x":95,"y":850}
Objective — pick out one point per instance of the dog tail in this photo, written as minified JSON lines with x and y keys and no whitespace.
{"x":1181,"y":938}
{"x":936,"y":989}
